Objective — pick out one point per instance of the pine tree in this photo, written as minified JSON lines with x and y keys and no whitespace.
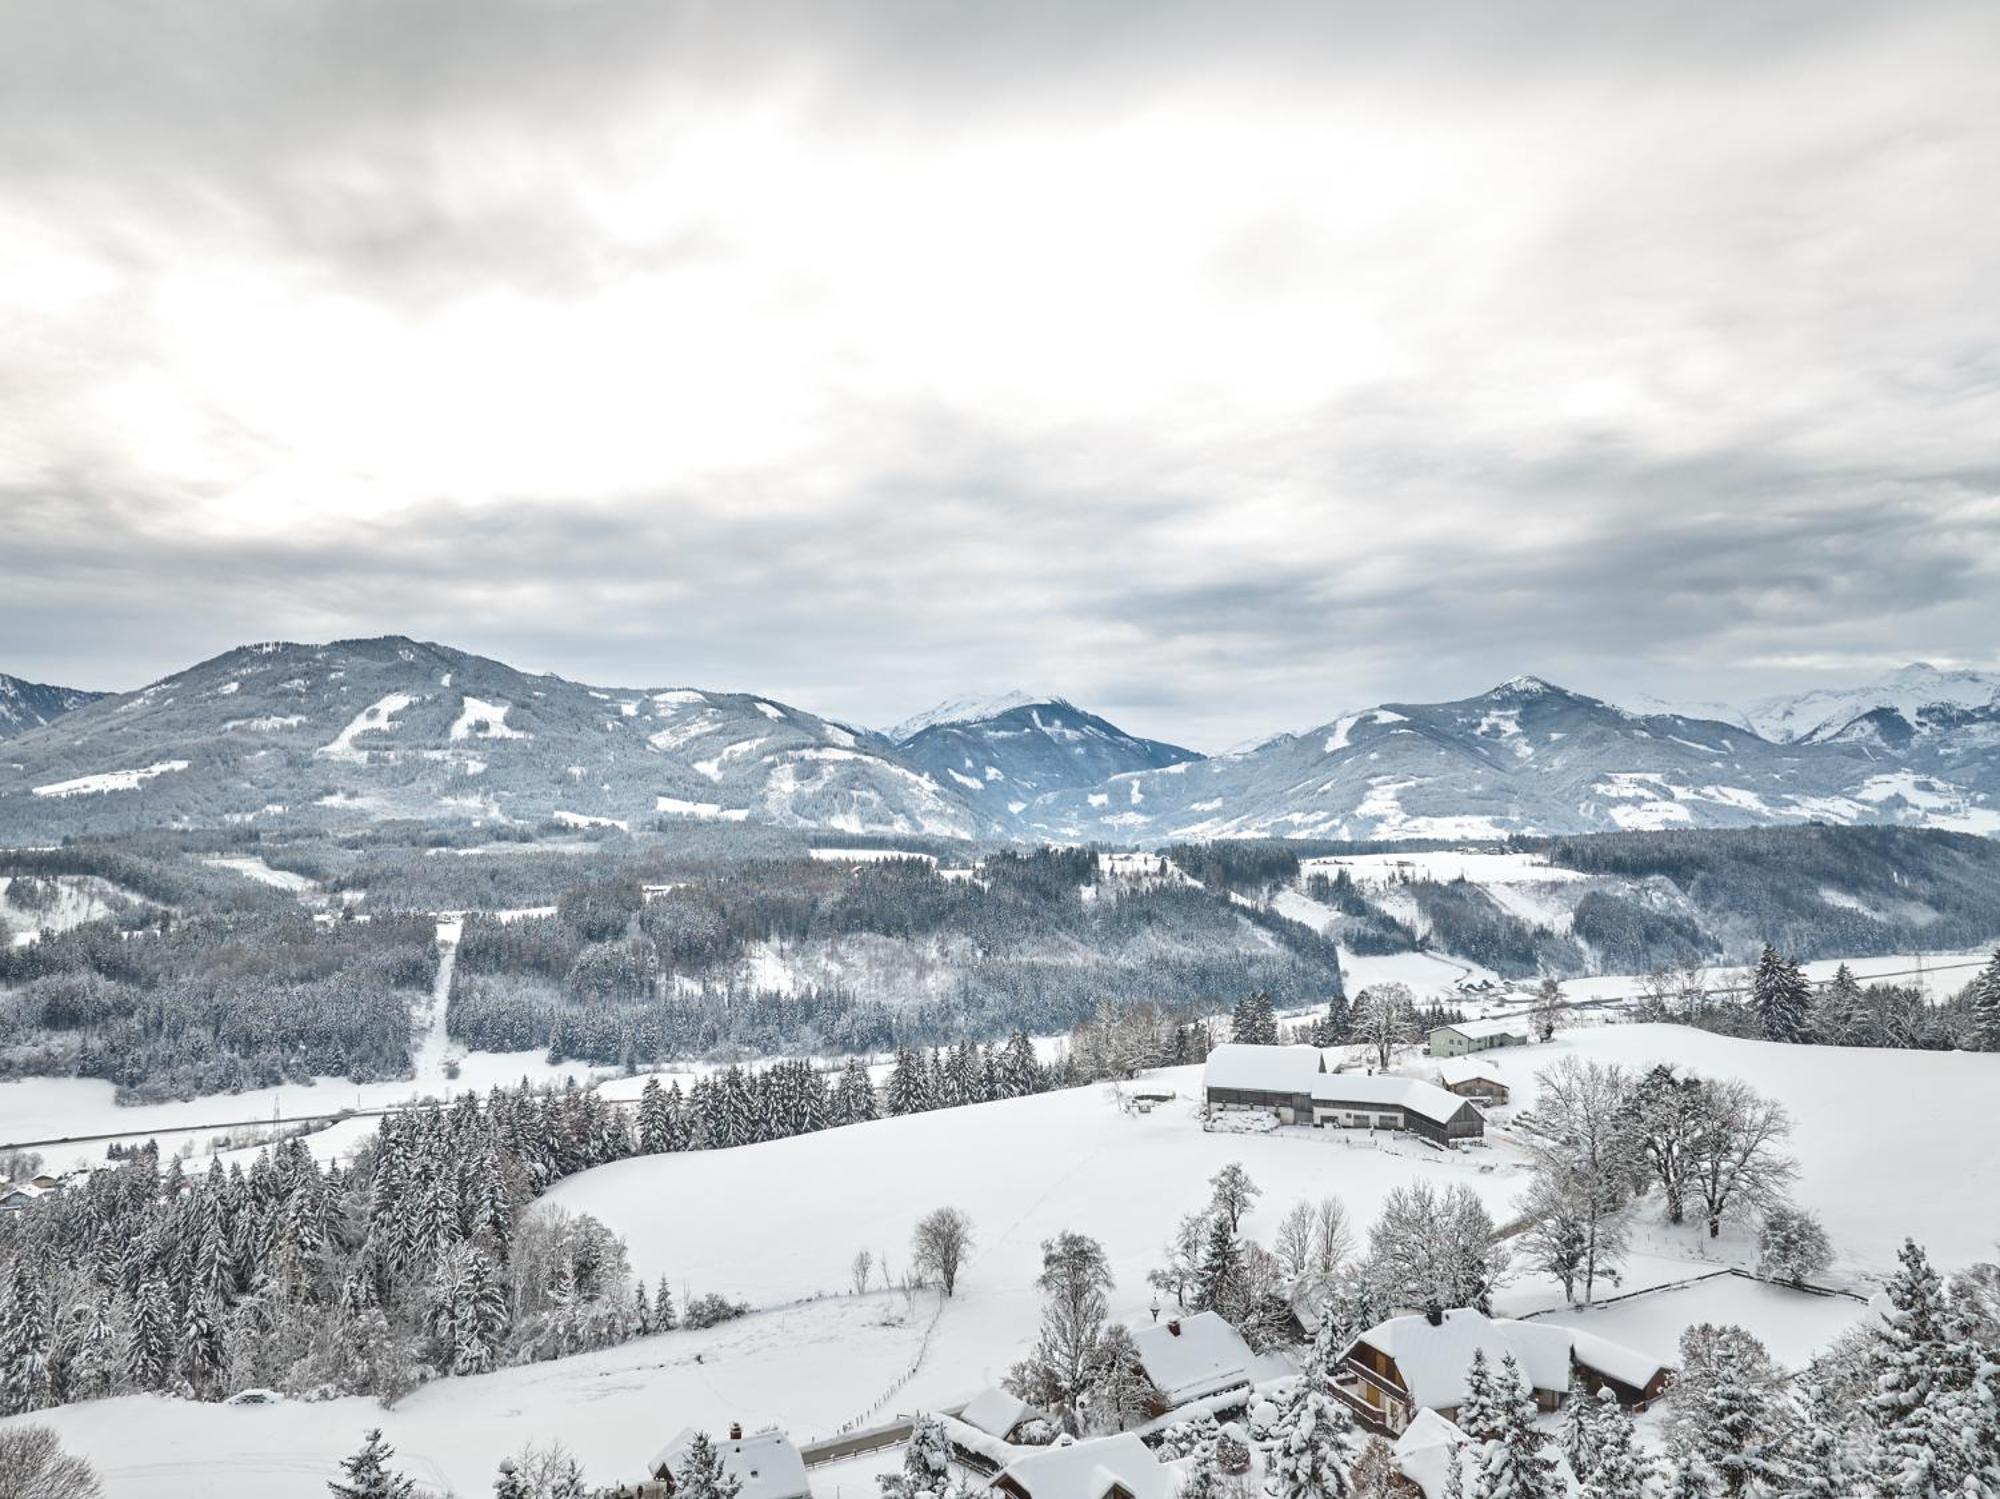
{"x":701,"y":1474}
{"x":25,"y":1344}
{"x":510,"y":1484}
{"x":1479,"y":1411}
{"x":149,"y":1356}
{"x":1843,"y":1010}
{"x":368,"y":1475}
{"x":1513,"y":1465}
{"x":655,"y":1125}
{"x":1310,"y":1455}
{"x":1781,"y":997}
{"x":1817,"y":1461}
{"x":926,"y":1462}
{"x":1253,"y":1023}
{"x":665,"y":1319}
{"x":200,"y":1359}
{"x":1219,"y":1280}
{"x":1986,"y":1006}
{"x":1576,"y":1433}
{"x":1615,"y":1468}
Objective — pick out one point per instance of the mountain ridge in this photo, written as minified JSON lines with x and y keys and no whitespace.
{"x":386,"y":727}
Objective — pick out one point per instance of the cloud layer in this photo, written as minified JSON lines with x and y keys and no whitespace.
{"x":1219,"y":366}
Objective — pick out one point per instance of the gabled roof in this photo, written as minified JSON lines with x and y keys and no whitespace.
{"x":1263,"y":1069}
{"x":765,"y":1463}
{"x":996,"y":1412}
{"x":1474,"y":1068}
{"x":1427,"y":1451}
{"x":1495,"y":1026}
{"x":1433,"y":1359}
{"x":1090,"y":1470}
{"x":1384,"y":1090}
{"x":1205,"y":1358}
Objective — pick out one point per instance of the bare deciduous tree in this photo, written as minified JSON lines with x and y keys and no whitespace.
{"x":939,"y":1245}
{"x":860,"y":1268}
{"x":1734,"y":1155}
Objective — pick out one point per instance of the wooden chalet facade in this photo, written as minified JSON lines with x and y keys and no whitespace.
{"x":1410,"y":1364}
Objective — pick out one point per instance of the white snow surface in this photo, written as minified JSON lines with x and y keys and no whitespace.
{"x":114,"y":780}
{"x":376,"y":718}
{"x":483,"y":720}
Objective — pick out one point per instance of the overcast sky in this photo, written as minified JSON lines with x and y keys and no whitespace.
{"x":1219,"y":366}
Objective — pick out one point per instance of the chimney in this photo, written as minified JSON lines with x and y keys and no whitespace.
{"x":735,"y":1431}
{"x":1174,"y":1327}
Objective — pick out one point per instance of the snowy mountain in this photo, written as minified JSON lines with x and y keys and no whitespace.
{"x":370,"y":729}
{"x":1526,"y":757}
{"x":1007,"y":751}
{"x":29,"y":705}
{"x":1917,"y":700}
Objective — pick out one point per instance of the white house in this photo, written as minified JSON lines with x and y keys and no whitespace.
{"x":998,"y":1414}
{"x":1477,"y":1035}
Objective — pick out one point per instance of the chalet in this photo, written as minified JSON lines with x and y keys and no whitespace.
{"x":1474,"y":1078}
{"x":765,"y":1464}
{"x":1411,"y":1364}
{"x":1191,"y":1358}
{"x":1293,"y":1083}
{"x":1477,"y":1035}
{"x":1116,"y":1467}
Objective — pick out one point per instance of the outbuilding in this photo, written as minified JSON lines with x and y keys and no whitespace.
{"x":1467,"y":1036}
{"x":1474,"y":1078}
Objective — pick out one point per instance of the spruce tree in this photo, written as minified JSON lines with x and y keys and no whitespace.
{"x":367,"y":1474}
{"x":1615,"y":1468}
{"x":1513,"y":1465}
{"x":701,"y":1474}
{"x":1781,"y":997}
{"x":1479,"y":1411}
{"x":1310,"y":1456}
{"x":25,"y":1344}
{"x":1986,"y":1006}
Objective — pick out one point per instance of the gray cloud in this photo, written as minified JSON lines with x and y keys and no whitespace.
{"x":1222,"y":367}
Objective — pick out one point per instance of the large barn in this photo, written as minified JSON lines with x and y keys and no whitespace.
{"x":1467,"y":1036}
{"x":1293,"y":1083}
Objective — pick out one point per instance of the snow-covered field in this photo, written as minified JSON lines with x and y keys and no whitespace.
{"x":779,"y":1224}
{"x":1443,"y":866}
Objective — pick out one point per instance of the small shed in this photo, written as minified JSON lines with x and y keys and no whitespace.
{"x":1472,"y":1077}
{"x":999,"y":1414}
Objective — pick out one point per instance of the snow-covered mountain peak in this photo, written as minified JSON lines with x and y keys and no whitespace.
{"x":972,"y":708}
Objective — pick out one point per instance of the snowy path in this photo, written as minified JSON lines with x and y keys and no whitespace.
{"x":433,"y":1050}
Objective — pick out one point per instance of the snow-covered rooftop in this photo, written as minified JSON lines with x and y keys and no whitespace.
{"x":996,"y":1412}
{"x":1426,"y":1450}
{"x":1090,"y":1470}
{"x":1189,"y":1357}
{"x":1433,"y":1359}
{"x":1496,"y":1026}
{"x":1410,"y":1094}
{"x":1456,"y":1070}
{"x":765,"y":1463}
{"x":1263,"y":1069}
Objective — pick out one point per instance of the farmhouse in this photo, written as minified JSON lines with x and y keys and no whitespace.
{"x":1472,"y":1077}
{"x":1477,"y":1035}
{"x":1293,"y":1083}
{"x":1117,"y":1467}
{"x":765,"y":1464}
{"x":1190,"y":1358}
{"x":1411,"y":1364}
